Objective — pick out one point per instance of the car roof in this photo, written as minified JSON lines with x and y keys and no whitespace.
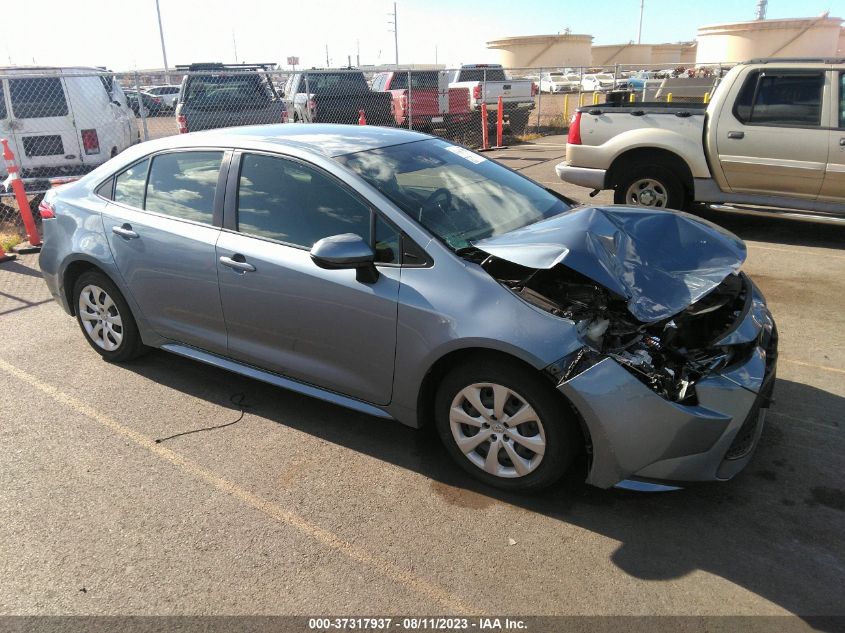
{"x":328,"y":139}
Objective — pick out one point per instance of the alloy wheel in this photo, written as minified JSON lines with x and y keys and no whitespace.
{"x":647,"y":192}
{"x":497,"y":430}
{"x":100,"y":318}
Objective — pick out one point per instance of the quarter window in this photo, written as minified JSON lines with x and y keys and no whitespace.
{"x":182,"y":185}
{"x":781,"y":99}
{"x":286,"y":201}
{"x":129,"y":185}
{"x":37,"y":98}
{"x":2,"y":102}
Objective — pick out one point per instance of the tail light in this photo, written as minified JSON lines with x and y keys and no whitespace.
{"x":312,"y":107}
{"x":46,"y":210}
{"x":476,"y":92}
{"x":90,"y":142}
{"x":534,"y":89}
{"x":574,"y":137}
{"x":157,"y":100}
{"x":284,"y":116}
{"x":403,"y":103}
{"x":182,"y":122}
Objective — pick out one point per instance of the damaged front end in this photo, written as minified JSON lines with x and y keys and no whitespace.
{"x":659,"y":296}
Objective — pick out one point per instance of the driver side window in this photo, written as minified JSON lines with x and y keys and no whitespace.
{"x":287,"y":201}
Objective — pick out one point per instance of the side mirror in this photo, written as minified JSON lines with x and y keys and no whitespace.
{"x":346,"y":251}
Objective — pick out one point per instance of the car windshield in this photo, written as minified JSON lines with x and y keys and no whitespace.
{"x":456,"y":194}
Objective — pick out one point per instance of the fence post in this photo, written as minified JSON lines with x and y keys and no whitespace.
{"x":410,"y":103}
{"x":706,"y":97}
{"x":20,"y":195}
{"x":306,"y":116}
{"x":141,"y":108}
{"x":565,"y":110}
{"x":539,"y":98}
{"x":669,"y":98}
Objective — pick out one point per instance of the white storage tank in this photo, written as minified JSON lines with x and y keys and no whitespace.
{"x":791,"y":37}
{"x":611,"y":54}
{"x":564,"y":50}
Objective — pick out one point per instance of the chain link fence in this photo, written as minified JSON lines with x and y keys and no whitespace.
{"x":62,"y":123}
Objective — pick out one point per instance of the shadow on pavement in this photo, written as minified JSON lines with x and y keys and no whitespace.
{"x":776,"y":530}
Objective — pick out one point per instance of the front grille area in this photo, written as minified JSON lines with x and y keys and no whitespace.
{"x":43,"y":145}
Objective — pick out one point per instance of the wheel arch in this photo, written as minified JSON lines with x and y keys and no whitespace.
{"x":442,"y":366}
{"x":656,"y":155}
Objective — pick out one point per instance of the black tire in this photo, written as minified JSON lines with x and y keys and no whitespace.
{"x":668,"y":183}
{"x":563,"y":440}
{"x":130,"y":345}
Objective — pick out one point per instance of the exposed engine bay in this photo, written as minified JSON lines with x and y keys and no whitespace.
{"x":669,"y":355}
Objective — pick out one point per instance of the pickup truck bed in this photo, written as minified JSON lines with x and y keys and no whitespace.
{"x":771,"y":138}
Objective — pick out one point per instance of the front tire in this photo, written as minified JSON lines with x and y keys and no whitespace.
{"x":505,"y":426}
{"x":652,"y":186}
{"x":105,"y":318}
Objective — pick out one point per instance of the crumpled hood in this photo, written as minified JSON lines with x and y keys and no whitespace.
{"x":661,"y":261}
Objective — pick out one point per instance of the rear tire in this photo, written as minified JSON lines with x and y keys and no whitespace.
{"x":650,"y":185}
{"x":534,"y":435}
{"x":105,"y":318}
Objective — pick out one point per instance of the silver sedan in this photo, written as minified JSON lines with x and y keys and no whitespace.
{"x":409,"y":278}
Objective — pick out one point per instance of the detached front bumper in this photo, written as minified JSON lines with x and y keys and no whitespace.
{"x":636,"y":434}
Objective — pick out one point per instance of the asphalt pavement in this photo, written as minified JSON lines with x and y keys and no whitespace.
{"x":305,"y":508}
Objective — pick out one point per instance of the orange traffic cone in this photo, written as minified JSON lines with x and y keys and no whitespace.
{"x":362,"y":119}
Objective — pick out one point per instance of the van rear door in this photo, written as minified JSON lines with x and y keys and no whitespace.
{"x":42,"y":122}
{"x":5,"y":126}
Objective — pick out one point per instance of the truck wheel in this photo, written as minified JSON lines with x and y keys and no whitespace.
{"x":650,"y":186}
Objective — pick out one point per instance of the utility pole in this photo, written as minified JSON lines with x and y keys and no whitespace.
{"x":640,"y":31}
{"x":395,"y":23}
{"x":328,"y":63}
{"x":235,"y":45}
{"x":357,"y":53}
{"x":163,"y":51}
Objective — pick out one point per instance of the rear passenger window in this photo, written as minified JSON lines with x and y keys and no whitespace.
{"x":37,"y":98}
{"x":182,"y":185}
{"x":286,"y":201}
{"x":781,"y":99}
{"x":129,"y":185}
{"x":2,"y":102}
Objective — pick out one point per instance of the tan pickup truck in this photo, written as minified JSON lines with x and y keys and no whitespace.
{"x":771,"y":140}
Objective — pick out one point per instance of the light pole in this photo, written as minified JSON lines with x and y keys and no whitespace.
{"x":163,"y":50}
{"x":640,"y":31}
{"x":395,"y":23}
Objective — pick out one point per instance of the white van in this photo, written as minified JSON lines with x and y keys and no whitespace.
{"x":63,"y":121}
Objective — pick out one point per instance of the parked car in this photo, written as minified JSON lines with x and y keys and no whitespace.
{"x":403,"y":276}
{"x":428,"y":103}
{"x":486,"y":83}
{"x":336,"y":96}
{"x":602,"y":82}
{"x":770,"y":137}
{"x":637,"y":81}
{"x":227,"y":95}
{"x":63,"y":121}
{"x":152,"y":105}
{"x":559,"y":82}
{"x":169,"y":95}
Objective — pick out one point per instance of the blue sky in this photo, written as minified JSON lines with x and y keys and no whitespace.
{"x":124,"y":36}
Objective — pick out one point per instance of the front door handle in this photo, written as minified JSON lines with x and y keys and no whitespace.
{"x":237,"y":262}
{"x":842,"y":142}
{"x":736,"y":135}
{"x":125,"y":232}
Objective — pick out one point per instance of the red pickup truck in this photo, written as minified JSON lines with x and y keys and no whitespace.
{"x":432,"y":103}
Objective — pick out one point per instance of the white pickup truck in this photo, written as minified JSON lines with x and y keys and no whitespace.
{"x":486,"y":83}
{"x":771,"y":141}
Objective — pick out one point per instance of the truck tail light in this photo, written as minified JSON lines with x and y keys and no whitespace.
{"x":574,"y":137}
{"x":534,"y":89}
{"x":403,"y":103}
{"x":312,"y":106}
{"x":182,"y":122}
{"x":90,"y":142}
{"x":46,"y":210}
{"x":284,"y":116}
{"x":476,"y":92}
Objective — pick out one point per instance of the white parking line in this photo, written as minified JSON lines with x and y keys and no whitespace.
{"x":415,"y":583}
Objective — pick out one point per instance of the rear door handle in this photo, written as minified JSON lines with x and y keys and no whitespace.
{"x":125,"y":232}
{"x":842,"y":142}
{"x":238,"y":263}
{"x":736,"y":135}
